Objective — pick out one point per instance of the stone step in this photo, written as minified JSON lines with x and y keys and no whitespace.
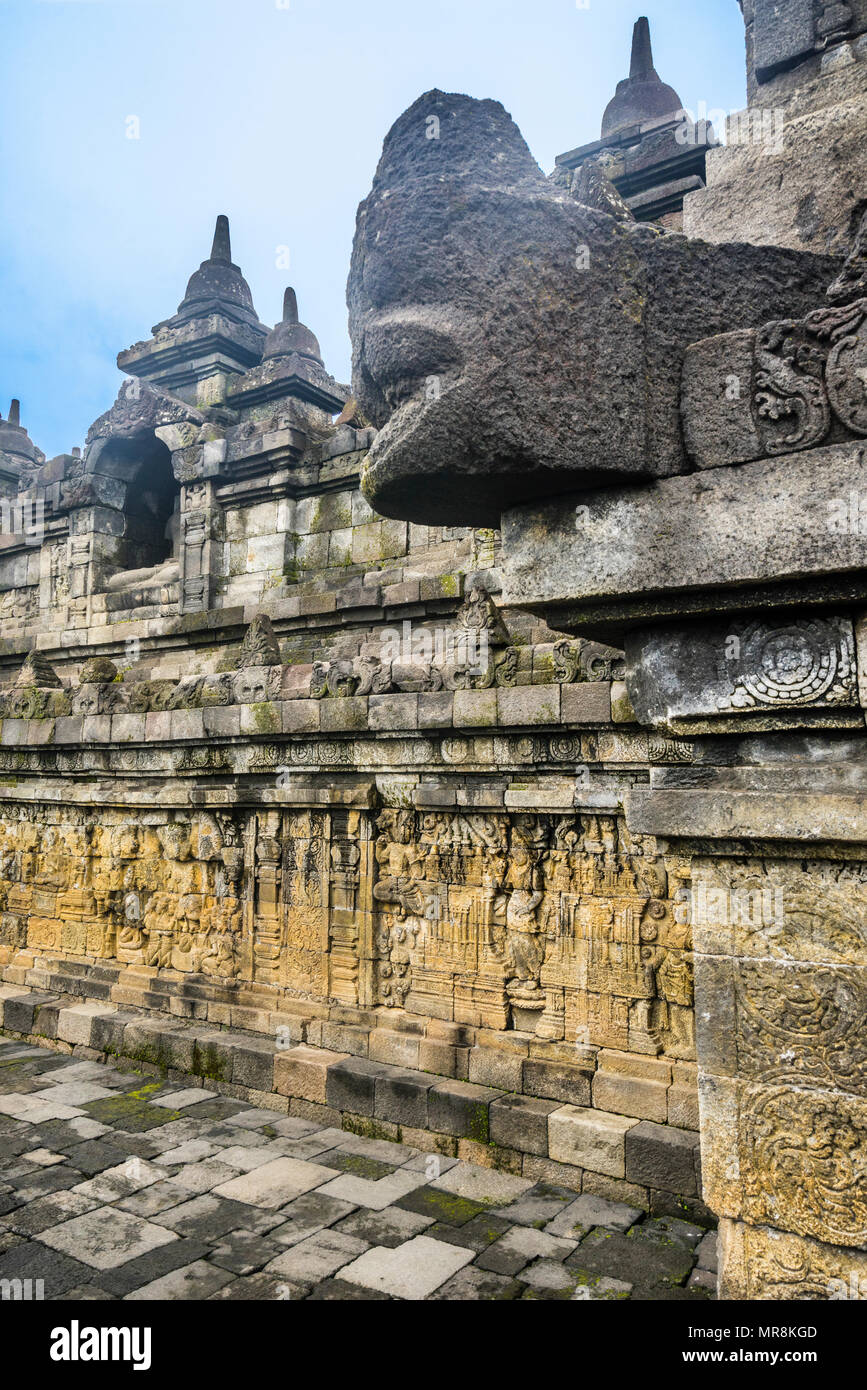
{"x":654,"y":1165}
{"x":659,"y":1089}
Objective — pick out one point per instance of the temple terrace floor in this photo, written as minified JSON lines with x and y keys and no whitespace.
{"x":117,"y":1185}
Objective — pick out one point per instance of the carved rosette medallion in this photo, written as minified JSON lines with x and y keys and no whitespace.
{"x":805,"y":662}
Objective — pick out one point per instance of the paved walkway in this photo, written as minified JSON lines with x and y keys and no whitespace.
{"x":115,"y":1185}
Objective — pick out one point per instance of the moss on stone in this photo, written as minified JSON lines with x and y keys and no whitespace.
{"x":209,"y":1062}
{"x":266,"y":718}
{"x":479,"y":1127}
{"x":368,"y":1129}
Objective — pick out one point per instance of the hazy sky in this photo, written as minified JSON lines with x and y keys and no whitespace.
{"x":274,"y":112}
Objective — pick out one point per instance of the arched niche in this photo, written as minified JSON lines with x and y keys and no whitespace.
{"x":136,"y":479}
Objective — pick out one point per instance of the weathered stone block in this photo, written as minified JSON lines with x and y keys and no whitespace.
{"x":557,"y":1081}
{"x":253,"y":1062}
{"x":157,"y":1041}
{"x":67,"y":729}
{"x":46,"y":1020}
{"x":128,"y":728}
{"x":19,"y":1013}
{"x":367,"y":543}
{"x":435,"y":709}
{"x":401,"y":1097}
{"x":158,"y":726}
{"x":521,"y":1122}
{"x":393,"y":712}
{"x":491,"y":1156}
{"x":684,"y":678}
{"x":344,"y":1037}
{"x":302,"y":1072}
{"x":616,"y":1190}
{"x":697,"y":533}
{"x":9,"y":991}
{"x":108,"y":1031}
{"x":95,"y":729}
{"x":621,"y":705}
{"x":529,"y":704}
{"x":760,"y":1263}
{"x":589,"y":1139}
{"x":586,"y":702}
{"x":456,"y":1107}
{"x":489,"y":1066}
{"x":187,"y":724}
{"x":351,"y":1085}
{"x":75,"y":1024}
{"x":539,"y":1169}
{"x":263,"y":717}
{"x":222,"y":721}
{"x":393,"y":1048}
{"x":659,"y":1156}
{"x":683,"y":1111}
{"x":406,"y":592}
{"x":340,"y":716}
{"x":300,"y":716}
{"x":475,"y":709}
{"x":629,"y":1095}
{"x":438,"y":1057}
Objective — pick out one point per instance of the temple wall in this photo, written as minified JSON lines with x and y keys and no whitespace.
{"x":561,"y":927}
{"x":793,"y":170}
{"x":784,"y":1119}
{"x":308,"y":783}
{"x":781,"y":998}
{"x":543,"y":956}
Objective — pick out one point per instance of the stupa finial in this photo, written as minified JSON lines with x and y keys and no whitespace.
{"x":290,"y":305}
{"x":222,"y":247}
{"x":642,"y":52}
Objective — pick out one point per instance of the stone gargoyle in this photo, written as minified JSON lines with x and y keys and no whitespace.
{"x":511,"y":343}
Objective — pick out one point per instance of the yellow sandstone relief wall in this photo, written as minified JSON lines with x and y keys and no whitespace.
{"x":563,"y":927}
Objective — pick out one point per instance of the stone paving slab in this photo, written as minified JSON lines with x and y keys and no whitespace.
{"x":481,"y":1184}
{"x":317,"y":1257}
{"x":519,"y":1246}
{"x":115,"y":1185}
{"x":376,"y":1195}
{"x":476,"y":1234}
{"x":180,"y":1100}
{"x":587,"y":1211}
{"x":411,"y":1271}
{"x":274,"y":1183}
{"x":193,"y":1281}
{"x":390,"y":1227}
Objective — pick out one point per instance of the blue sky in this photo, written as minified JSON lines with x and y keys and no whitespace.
{"x":273,"y":113}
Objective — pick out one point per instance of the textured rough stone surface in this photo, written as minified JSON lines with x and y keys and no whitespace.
{"x":692,"y":546}
{"x":726,"y":675}
{"x":768,"y":935}
{"x":589,"y":1139}
{"x":440,"y":249}
{"x":794,"y":167}
{"x":789,"y":384}
{"x":760,"y":1262}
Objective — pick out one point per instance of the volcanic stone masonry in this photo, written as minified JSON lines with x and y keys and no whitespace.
{"x":405,"y":756}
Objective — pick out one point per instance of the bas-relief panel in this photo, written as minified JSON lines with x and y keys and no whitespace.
{"x":556,"y":925}
{"x":758,"y":1262}
{"x":562,"y":926}
{"x":781,"y":977}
